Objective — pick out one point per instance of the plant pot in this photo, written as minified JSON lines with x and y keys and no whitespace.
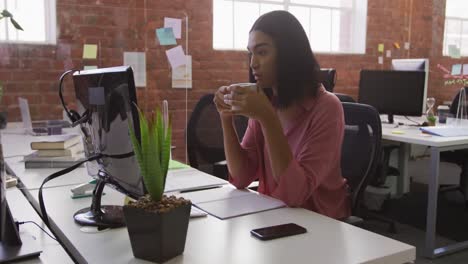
{"x":157,"y":236}
{"x":3,"y":119}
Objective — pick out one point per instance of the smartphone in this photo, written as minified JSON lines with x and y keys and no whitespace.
{"x":277,"y":231}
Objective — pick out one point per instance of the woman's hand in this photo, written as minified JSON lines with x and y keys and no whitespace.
{"x":249,"y":103}
{"x":221,"y":106}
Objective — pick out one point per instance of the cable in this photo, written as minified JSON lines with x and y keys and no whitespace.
{"x":417,"y":123}
{"x":43,"y":230}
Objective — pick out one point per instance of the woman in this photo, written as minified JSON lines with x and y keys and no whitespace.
{"x":293,"y":140}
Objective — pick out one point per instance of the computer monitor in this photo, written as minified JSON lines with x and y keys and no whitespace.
{"x":414,"y":65}
{"x":106,"y":98}
{"x":12,"y":246}
{"x":393,"y":92}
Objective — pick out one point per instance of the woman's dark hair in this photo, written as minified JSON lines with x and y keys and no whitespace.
{"x":297,"y":68}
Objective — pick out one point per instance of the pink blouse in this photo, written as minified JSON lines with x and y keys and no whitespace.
{"x":313,"y":178}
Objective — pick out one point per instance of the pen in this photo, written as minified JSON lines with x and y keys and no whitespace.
{"x":200,"y":189}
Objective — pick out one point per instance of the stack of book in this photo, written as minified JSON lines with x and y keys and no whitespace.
{"x":59,"y":151}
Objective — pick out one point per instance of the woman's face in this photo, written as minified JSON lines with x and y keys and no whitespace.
{"x":262,"y":53}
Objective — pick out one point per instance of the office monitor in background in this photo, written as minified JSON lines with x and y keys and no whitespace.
{"x":106,"y":100}
{"x":414,"y":65}
{"x":393,"y":92}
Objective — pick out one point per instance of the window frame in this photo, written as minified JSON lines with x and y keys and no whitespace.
{"x":286,"y":4}
{"x":50,"y":20}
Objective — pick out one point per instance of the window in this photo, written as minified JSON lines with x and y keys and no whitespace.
{"x":37,"y":18}
{"x":332,"y":26}
{"x":456,"y":26}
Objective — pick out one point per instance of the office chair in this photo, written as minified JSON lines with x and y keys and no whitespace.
{"x":205,"y":144}
{"x":344,"y":98}
{"x":360,"y":156}
{"x":328,"y":78}
{"x":459,"y":157}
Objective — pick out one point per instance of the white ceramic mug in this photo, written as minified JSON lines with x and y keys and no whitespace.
{"x":251,"y":86}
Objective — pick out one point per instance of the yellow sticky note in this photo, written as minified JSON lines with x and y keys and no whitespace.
{"x":398,"y":132}
{"x":89,"y":51}
{"x":381,"y":47}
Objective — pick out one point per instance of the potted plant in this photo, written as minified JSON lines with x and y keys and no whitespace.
{"x":157,"y":224}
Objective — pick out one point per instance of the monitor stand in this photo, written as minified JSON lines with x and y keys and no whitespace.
{"x":105,"y":216}
{"x":390,"y":118}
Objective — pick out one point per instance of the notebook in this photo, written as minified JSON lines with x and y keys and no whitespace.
{"x":38,"y":128}
{"x":446,"y":131}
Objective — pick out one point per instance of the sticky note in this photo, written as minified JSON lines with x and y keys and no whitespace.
{"x":456,"y":69}
{"x":389,"y":54}
{"x":407,"y":45}
{"x":465,"y":69}
{"x":398,"y":132}
{"x":165,"y":36}
{"x":396,"y":45}
{"x":380,"y":61}
{"x":175,"y":24}
{"x":182,"y":75}
{"x":176,"y":56}
{"x":89,"y":51}
{"x":454,"y":51}
{"x":380,"y":47}
{"x":90,"y":67}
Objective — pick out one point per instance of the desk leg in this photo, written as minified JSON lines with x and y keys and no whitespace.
{"x":403,"y":184}
{"x":432,"y":203}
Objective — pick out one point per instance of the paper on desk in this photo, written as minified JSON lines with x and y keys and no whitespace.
{"x":190,"y":178}
{"x":240,"y":205}
{"x":138,"y":62}
{"x":176,"y":56}
{"x":165,"y":36}
{"x":90,"y":51}
{"x":447,"y":131}
{"x":175,"y":24}
{"x":216,"y":194}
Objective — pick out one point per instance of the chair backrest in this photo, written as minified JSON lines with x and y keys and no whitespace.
{"x":344,"y":98}
{"x":361,"y":148}
{"x":205,"y":135}
{"x":454,"y":105}
{"x":328,"y":78}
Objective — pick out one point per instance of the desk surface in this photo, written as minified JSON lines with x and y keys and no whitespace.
{"x":412,"y":135}
{"x":21,"y":209}
{"x":210,"y":240}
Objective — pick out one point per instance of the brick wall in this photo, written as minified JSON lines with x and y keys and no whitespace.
{"x":116,"y":26}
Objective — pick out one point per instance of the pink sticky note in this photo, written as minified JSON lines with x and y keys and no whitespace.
{"x":176,"y":56}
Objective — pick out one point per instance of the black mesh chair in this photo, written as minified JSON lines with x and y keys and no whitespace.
{"x":205,"y":145}
{"x":459,"y":157}
{"x":328,"y":78}
{"x":361,"y":151}
{"x":344,"y":98}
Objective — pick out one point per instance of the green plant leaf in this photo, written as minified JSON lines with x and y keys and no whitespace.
{"x":15,"y":24}
{"x":5,"y":13}
{"x":153,"y":153}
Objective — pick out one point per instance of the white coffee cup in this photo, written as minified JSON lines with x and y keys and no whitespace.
{"x":251,"y":86}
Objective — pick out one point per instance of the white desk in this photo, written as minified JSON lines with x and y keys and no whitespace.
{"x":210,"y":240}
{"x":21,"y":209}
{"x":412,"y":135}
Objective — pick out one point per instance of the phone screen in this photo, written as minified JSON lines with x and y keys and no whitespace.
{"x":272,"y":232}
